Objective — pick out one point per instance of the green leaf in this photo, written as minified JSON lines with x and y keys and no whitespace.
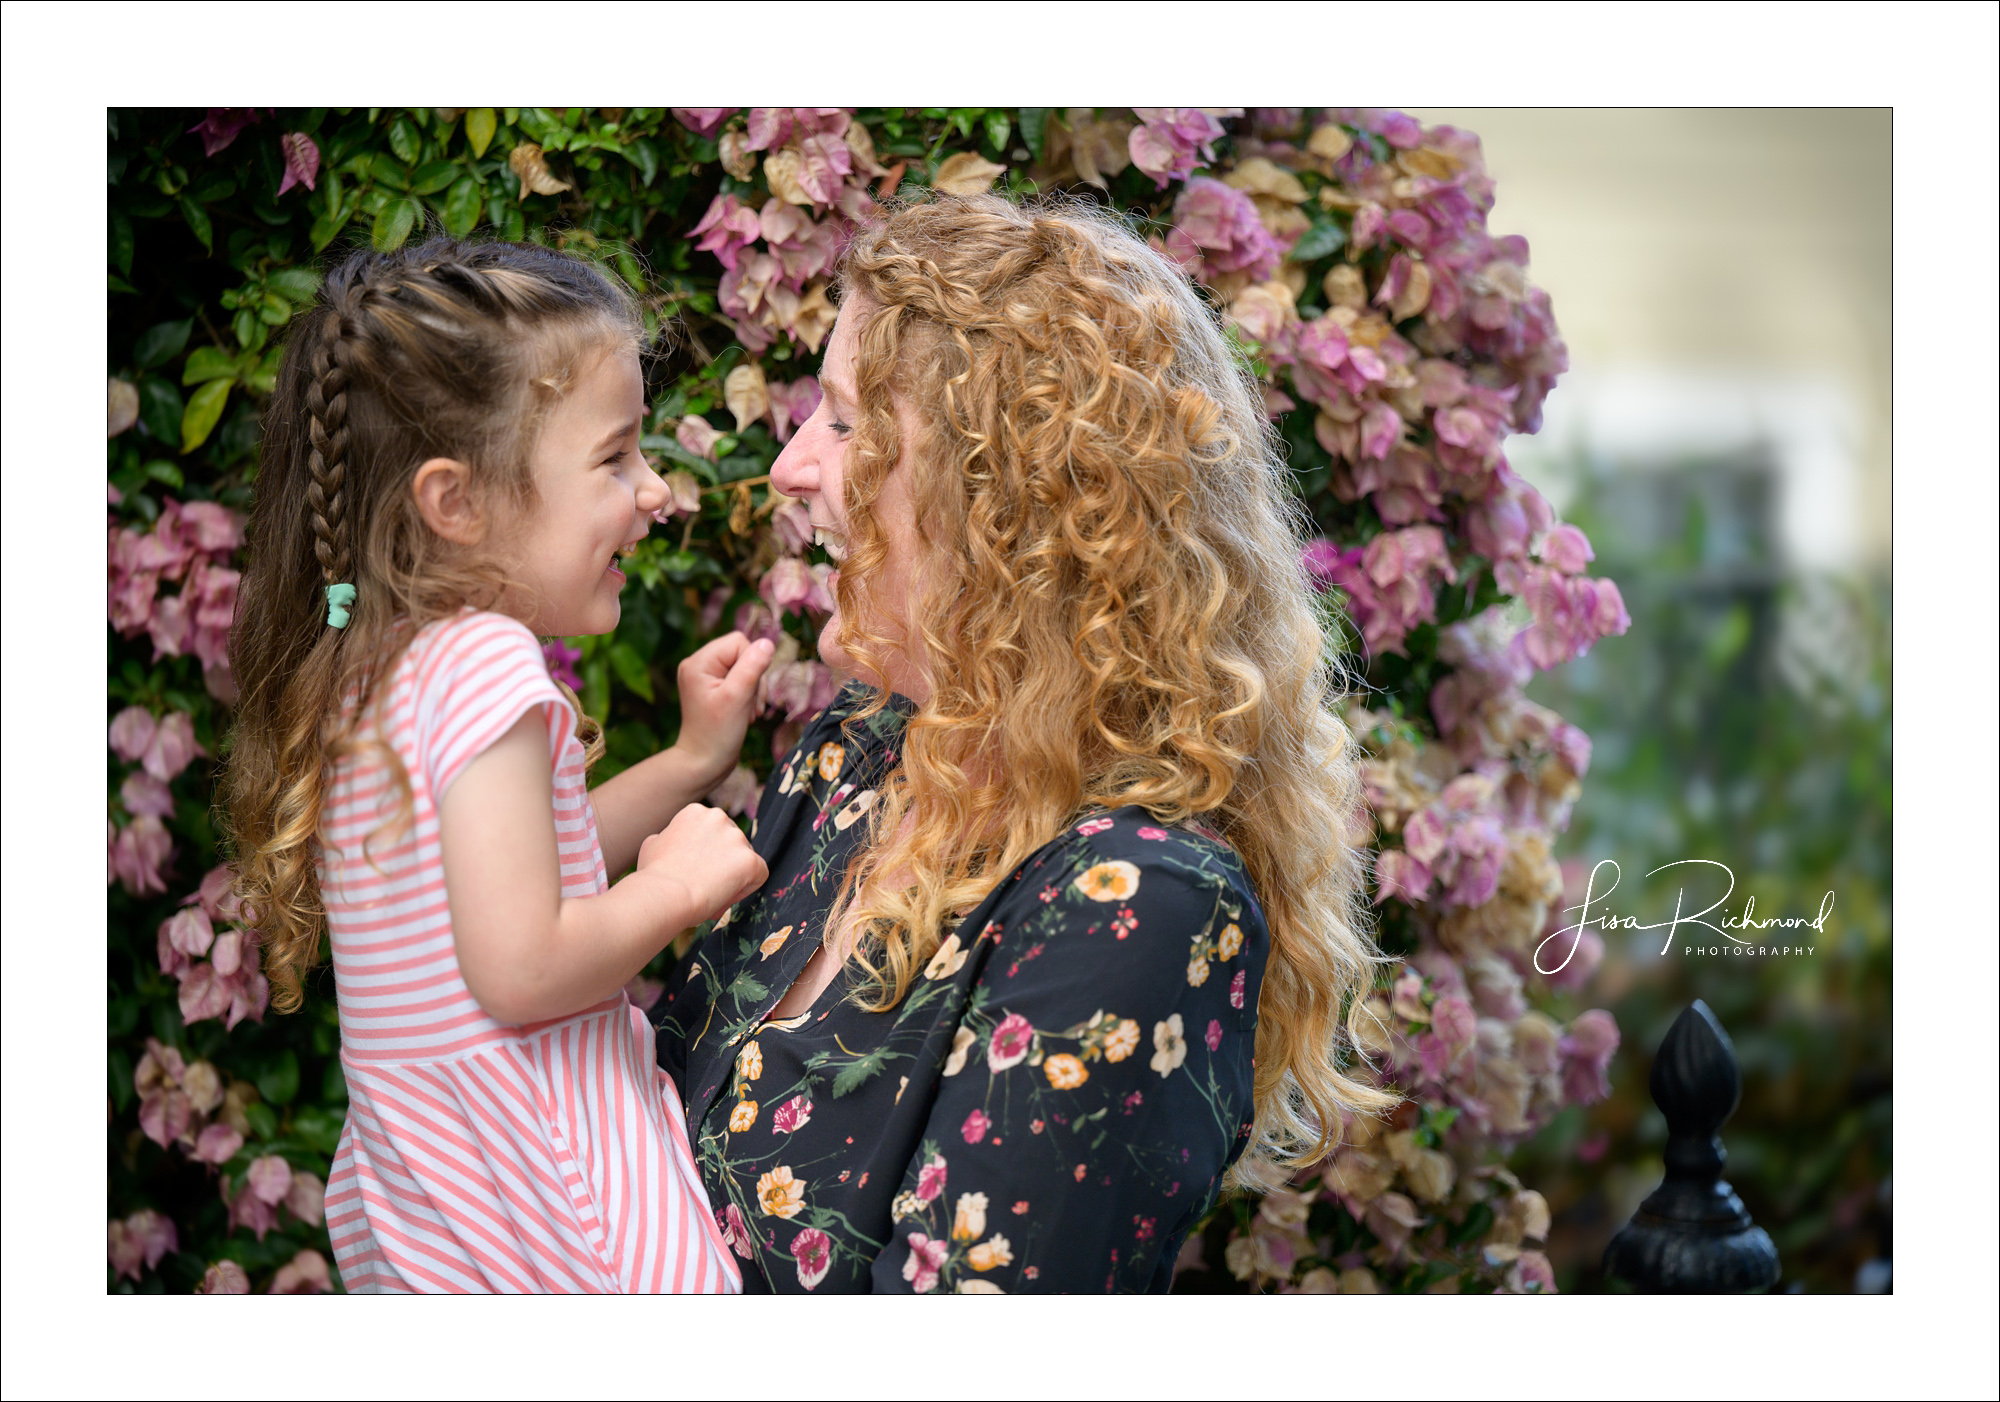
{"x":433,"y":177}
{"x":274,"y":310}
{"x":197,"y":221}
{"x":294,"y":284}
{"x":631,"y":669}
{"x":462,"y":207}
{"x":207,"y":363}
{"x":326,"y":229}
{"x":1322,"y":238}
{"x":160,"y":470}
{"x":596,"y":696}
{"x":160,"y":408}
{"x":278,"y":1082}
{"x":405,"y":140}
{"x":997,"y":127}
{"x":642,"y":154}
{"x":203,"y":411}
{"x":121,"y":241}
{"x":161,"y":344}
{"x":1034,"y":126}
{"x":263,"y":1123}
{"x":317,"y":1126}
{"x":479,"y":128}
{"x":393,"y":225}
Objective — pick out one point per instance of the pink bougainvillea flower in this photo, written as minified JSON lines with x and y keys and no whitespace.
{"x":138,"y":852}
{"x":217,"y":1143}
{"x":737,"y":795}
{"x":769,"y":127}
{"x":793,"y":404}
{"x":786,"y":584}
{"x":223,"y":125}
{"x":203,"y":994}
{"x":729,"y":227}
{"x":305,"y":1274}
{"x":189,"y":931}
{"x":306,"y":1198}
{"x":1170,"y":142}
{"x":562,"y":659}
{"x":164,"y":1115}
{"x":926,"y":1259}
{"x":812,"y":1249}
{"x":975,"y":1127}
{"x":126,"y":1253}
{"x":155,"y":1233}
{"x":1453,"y":1020}
{"x":698,"y":436}
{"x":1401,"y":875}
{"x":172,"y":747}
{"x":224,"y":1278}
{"x":704,"y":122}
{"x":1567,"y":549}
{"x":131,"y":732}
{"x":930,"y":1179}
{"x":301,"y":161}
{"x":142,"y":793}
{"x":1217,"y":230}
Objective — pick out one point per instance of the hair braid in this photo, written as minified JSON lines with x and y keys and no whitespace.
{"x":326,"y":492}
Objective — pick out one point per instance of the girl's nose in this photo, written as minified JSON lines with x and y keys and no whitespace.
{"x":651,"y":489}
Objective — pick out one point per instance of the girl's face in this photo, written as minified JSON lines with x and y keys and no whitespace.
{"x":813,"y":467}
{"x":597,"y":495}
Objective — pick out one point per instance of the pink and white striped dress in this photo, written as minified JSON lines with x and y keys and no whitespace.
{"x":478,"y":1156}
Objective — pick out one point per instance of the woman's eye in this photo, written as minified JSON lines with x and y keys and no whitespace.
{"x":842,"y":429}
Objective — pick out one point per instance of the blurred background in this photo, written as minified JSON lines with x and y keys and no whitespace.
{"x":1722,"y":278}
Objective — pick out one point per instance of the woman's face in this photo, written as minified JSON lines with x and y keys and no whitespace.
{"x":813,"y":468}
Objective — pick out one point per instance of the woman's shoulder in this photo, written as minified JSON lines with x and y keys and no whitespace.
{"x":1184,"y":855}
{"x":1146,"y":882}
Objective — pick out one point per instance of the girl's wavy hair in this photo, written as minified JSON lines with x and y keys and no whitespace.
{"x":1112,"y":599}
{"x":442,"y":349}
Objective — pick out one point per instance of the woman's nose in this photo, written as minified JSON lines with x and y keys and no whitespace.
{"x":793,"y":473}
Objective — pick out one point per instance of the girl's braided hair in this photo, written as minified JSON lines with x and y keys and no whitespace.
{"x":442,"y":349}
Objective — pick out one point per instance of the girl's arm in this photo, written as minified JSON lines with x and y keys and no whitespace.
{"x":718,"y":685}
{"x":527,"y":954}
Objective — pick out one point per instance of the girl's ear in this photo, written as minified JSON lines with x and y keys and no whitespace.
{"x":443,"y":489}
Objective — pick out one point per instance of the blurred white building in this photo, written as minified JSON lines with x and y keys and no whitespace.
{"x":1722,"y":279}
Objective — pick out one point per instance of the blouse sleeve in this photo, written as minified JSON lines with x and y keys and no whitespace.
{"x":1100,"y":1082}
{"x":481,"y":674}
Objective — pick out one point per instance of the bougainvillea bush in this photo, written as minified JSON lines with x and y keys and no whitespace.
{"x":1399,"y":344}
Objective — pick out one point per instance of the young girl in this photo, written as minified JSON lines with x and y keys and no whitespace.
{"x":451,"y":467}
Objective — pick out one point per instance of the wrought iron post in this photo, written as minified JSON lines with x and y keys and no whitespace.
{"x":1692,"y":1235}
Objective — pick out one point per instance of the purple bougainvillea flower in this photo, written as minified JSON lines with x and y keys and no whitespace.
{"x":223,"y":125}
{"x":562,"y":660}
{"x":301,"y":161}
{"x":1169,"y":142}
{"x":704,"y":122}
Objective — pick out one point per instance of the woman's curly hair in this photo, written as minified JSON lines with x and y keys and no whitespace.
{"x":1112,"y":600}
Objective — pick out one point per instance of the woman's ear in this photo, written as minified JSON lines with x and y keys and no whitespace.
{"x":443,"y":489}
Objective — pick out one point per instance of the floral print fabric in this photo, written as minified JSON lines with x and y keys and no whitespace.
{"x":1052,"y":1105}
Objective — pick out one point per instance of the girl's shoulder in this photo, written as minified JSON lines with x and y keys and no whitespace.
{"x":461,"y":674}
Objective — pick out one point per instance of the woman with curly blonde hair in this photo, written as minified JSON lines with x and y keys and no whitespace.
{"x":1064,"y":911}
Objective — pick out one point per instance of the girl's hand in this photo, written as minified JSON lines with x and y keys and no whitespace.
{"x":706,"y":853}
{"x":718,"y":686}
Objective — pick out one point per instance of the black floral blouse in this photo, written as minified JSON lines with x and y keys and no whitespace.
{"x":1051,"y":1107}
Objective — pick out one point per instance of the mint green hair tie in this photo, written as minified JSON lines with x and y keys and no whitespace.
{"x":338,"y":599}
